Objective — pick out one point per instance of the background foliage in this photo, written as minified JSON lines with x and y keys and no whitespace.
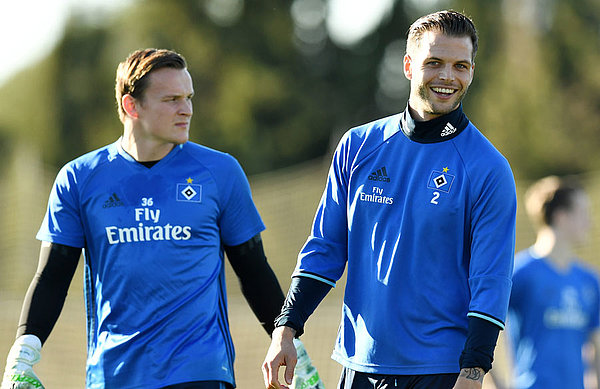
{"x":274,"y":89}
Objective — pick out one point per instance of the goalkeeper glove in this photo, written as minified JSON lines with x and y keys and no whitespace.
{"x":305,"y":374}
{"x":19,"y":374}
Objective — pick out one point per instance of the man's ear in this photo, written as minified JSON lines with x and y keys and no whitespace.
{"x":129,"y":104}
{"x":407,"y":66}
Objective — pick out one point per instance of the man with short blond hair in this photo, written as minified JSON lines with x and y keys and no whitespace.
{"x":154,"y":214}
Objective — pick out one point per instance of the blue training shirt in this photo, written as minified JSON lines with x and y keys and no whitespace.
{"x":422,"y":214}
{"x":153,"y":244}
{"x":551,"y":315}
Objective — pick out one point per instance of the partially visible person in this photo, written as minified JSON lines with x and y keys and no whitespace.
{"x":419,"y":208}
{"x":154,"y":214}
{"x":555,"y":302}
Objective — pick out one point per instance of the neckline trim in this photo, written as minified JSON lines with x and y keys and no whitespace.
{"x":436,"y":130}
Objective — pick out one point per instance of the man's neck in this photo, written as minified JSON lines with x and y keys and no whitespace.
{"x":440,"y":129}
{"x":143,"y":150}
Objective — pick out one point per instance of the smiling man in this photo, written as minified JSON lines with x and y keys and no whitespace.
{"x":154,"y":214}
{"x":440,"y":69}
{"x":419,"y":209}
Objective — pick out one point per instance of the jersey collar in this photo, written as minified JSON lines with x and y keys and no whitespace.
{"x":435,"y":130}
{"x":119,"y":149}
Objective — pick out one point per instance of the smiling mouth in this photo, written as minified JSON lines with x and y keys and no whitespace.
{"x":443,"y":91}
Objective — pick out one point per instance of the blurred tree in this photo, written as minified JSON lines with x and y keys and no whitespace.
{"x":250,"y":99}
{"x":274,"y":89}
{"x":538,"y":98}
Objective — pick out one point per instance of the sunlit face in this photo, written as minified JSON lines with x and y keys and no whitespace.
{"x":440,"y":69}
{"x":165,"y":111}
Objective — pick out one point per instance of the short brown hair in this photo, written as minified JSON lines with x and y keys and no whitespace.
{"x":450,"y":23}
{"x":548,"y":195}
{"x":132,"y":73}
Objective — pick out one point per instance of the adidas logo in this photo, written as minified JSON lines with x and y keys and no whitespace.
{"x":379,"y":175}
{"x":113,"y":201}
{"x":448,"y":130}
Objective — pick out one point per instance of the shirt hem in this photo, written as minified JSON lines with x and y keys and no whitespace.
{"x":450,"y":368}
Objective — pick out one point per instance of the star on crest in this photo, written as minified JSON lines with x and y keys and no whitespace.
{"x":190,"y":180}
{"x":445,"y":170}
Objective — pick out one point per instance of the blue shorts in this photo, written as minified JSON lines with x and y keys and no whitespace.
{"x":351,"y":379}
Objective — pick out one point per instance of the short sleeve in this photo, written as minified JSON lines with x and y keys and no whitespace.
{"x":239,"y":219}
{"x":595,"y":315}
{"x":62,"y":223}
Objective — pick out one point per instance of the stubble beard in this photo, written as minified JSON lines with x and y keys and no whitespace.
{"x":438,"y":109}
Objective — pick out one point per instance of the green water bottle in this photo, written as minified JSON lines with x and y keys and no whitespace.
{"x":306,"y":375}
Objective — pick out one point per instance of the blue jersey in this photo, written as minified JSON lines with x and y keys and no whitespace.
{"x":423,"y":217}
{"x":552,"y":313}
{"x":153,"y":244}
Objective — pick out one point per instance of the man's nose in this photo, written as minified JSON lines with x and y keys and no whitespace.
{"x":447,"y":73}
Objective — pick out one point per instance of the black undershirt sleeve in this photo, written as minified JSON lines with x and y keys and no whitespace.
{"x":481,"y":342}
{"x":302,"y":299}
{"x":47,"y":292}
{"x":258,"y":282}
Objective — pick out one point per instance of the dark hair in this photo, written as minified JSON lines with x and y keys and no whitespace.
{"x":132,"y":73}
{"x":548,"y":195}
{"x":450,"y":23}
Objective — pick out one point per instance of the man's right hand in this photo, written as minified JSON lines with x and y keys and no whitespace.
{"x":282,"y":352}
{"x":19,"y":374}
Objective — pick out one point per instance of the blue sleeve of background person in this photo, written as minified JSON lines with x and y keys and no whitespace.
{"x":595,"y":317}
{"x":493,"y":217}
{"x":517,"y":302}
{"x":520,"y":282}
{"x":324,"y":254}
{"x":515,"y":299}
{"x":239,"y":220}
{"x":62,"y":222}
